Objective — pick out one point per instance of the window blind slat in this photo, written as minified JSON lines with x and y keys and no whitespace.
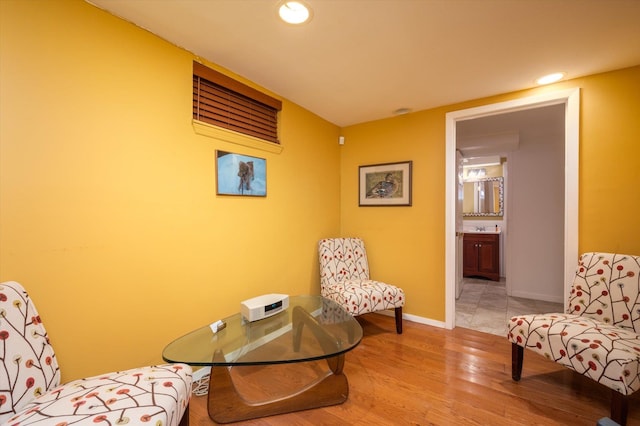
{"x":221,"y":106}
{"x":240,"y":106}
{"x":222,"y":80}
{"x":208,"y":112}
{"x":214,"y":91}
{"x":212,"y":116}
{"x":250,"y":120}
{"x":229,"y":123}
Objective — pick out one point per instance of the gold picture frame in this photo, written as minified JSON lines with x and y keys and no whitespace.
{"x":387,"y":184}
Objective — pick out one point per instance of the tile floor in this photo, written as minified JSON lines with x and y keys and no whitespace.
{"x":484,"y":306}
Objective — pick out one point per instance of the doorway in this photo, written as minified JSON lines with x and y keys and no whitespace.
{"x":570,"y":100}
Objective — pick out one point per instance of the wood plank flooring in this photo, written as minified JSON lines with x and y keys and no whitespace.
{"x":431,"y":376}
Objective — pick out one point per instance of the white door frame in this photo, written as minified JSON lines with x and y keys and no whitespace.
{"x":571,"y":99}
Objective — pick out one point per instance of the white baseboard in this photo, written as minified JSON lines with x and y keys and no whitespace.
{"x":536,"y":296}
{"x":415,"y":318}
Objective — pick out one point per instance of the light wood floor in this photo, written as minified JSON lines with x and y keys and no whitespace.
{"x":431,"y":376}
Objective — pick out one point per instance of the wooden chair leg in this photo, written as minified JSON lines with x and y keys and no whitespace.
{"x":619,"y":407}
{"x":517,"y":355}
{"x":398,"y":320}
{"x":185,"y":417}
{"x":619,"y":402}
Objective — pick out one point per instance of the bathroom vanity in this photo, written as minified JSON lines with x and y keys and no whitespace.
{"x":481,"y":255}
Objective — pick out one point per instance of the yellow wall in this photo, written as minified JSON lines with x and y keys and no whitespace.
{"x":407,"y":243}
{"x":609,"y":153}
{"x":108,"y":211}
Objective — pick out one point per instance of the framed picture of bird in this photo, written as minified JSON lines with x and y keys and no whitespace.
{"x":386,"y":184}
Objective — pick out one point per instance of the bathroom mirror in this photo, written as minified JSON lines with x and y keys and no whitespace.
{"x":483,"y":197}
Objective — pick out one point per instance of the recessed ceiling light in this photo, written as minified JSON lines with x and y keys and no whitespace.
{"x":550,"y":78}
{"x":294,"y":12}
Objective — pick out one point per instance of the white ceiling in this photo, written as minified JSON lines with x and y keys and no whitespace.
{"x":359,"y":60}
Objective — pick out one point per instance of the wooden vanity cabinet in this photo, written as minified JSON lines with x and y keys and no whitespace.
{"x":481,"y":256}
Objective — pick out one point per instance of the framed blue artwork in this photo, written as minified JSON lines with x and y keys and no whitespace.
{"x":238,"y":174}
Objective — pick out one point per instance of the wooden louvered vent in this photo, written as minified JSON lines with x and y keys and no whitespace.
{"x":224,"y":102}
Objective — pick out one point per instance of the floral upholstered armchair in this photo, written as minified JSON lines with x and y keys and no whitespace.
{"x":344,"y":278}
{"x":30,"y":390}
{"x":598,"y":337}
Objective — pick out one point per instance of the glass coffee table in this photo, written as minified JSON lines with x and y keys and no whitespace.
{"x":312,"y":328}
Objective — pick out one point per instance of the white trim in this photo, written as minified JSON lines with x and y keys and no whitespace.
{"x":571,"y":187}
{"x":211,"y":131}
{"x":538,"y":296}
{"x":414,"y":318}
{"x":571,"y":99}
{"x":423,"y":320}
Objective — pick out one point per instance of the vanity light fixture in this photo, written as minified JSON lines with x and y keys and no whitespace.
{"x":294,"y":12}
{"x":551,"y":78}
{"x":493,"y":160}
{"x":476,"y":173}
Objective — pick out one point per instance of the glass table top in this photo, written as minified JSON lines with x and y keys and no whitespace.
{"x":311,"y":328}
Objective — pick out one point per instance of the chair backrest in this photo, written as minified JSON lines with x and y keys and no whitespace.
{"x":29,"y":366}
{"x":341,"y":259}
{"x":606,"y":287}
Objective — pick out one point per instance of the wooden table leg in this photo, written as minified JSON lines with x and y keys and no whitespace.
{"x":329,"y":343}
{"x":225,"y":404}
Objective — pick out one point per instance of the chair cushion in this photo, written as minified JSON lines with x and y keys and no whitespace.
{"x":363,"y":296}
{"x":601,"y":351}
{"x":606,"y":287}
{"x":342,"y":259}
{"x":155,"y":395}
{"x":28,"y":365}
